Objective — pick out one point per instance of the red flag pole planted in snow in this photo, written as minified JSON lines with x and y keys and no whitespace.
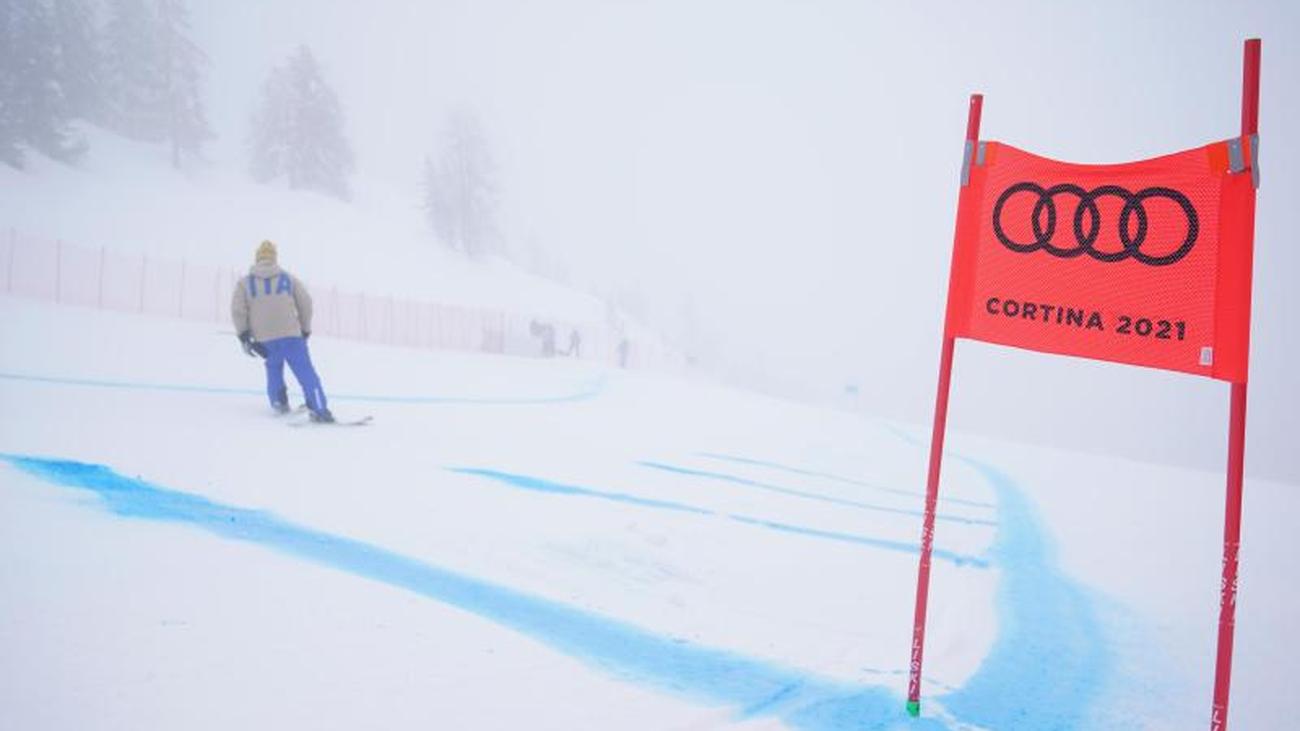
{"x":936,"y":453}
{"x":1236,"y":444}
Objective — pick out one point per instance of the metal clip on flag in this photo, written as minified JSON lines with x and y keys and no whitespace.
{"x":1147,"y":263}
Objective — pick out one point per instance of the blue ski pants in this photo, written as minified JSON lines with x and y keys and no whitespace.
{"x":294,"y":351}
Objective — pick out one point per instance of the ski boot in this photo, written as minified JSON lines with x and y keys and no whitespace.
{"x":281,"y":404}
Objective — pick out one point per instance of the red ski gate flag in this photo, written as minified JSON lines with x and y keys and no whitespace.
{"x":1146,"y":263}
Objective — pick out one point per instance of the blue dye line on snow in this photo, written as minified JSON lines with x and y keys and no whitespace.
{"x":129,"y":385}
{"x":1046,"y":671}
{"x":587,"y":392}
{"x":837,"y":478}
{"x":1050,"y":661}
{"x":537,"y":484}
{"x":960,"y":559}
{"x":755,"y":687}
{"x":808,"y":495}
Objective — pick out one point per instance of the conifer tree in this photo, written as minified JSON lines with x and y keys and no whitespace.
{"x":79,"y":58}
{"x":32,"y":106}
{"x":297,"y":131}
{"x":187,"y":125}
{"x":460,"y":195}
{"x":134,"y":72}
{"x":268,"y":136}
{"x":10,"y":153}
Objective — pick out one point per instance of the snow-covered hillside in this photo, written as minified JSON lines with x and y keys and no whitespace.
{"x":127,"y":198}
{"x":171,"y":241}
{"x":517,"y":543}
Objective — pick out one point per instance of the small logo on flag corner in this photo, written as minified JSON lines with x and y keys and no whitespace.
{"x":1207,"y":356}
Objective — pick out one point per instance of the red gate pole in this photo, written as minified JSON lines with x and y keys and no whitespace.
{"x":1236,"y":452}
{"x":936,"y":457}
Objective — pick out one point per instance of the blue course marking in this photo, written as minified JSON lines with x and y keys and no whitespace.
{"x":756,"y":688}
{"x":808,"y":495}
{"x":1047,"y":669}
{"x":587,"y":392}
{"x":1051,"y":660}
{"x":960,"y":559}
{"x":540,"y":485}
{"x":835,"y":478}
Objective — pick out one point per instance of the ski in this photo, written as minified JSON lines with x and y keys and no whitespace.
{"x":363,"y":421}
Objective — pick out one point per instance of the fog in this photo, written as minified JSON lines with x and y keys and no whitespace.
{"x":773,"y":185}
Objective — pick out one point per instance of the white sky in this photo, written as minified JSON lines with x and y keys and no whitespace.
{"x":791,"y":168}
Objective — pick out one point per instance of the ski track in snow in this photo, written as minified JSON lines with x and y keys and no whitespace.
{"x":537,"y":484}
{"x":589,"y":391}
{"x":1045,"y":671}
{"x":806,"y":495}
{"x":803,"y":472}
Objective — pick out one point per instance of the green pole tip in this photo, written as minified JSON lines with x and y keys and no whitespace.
{"x":914,"y":708}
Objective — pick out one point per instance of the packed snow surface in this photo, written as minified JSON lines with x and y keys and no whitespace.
{"x":554,"y":544}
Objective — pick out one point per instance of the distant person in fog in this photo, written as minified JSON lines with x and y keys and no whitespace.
{"x":546,"y":332}
{"x":575,"y":345}
{"x":271,"y":310}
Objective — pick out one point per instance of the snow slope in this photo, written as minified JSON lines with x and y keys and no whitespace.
{"x":519,"y":543}
{"x":128,"y":199}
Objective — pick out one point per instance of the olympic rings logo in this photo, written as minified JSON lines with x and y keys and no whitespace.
{"x":1087,"y":222}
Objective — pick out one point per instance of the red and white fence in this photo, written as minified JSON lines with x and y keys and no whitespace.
{"x":58,"y":271}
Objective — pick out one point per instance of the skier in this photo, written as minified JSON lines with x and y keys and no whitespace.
{"x":271,"y":310}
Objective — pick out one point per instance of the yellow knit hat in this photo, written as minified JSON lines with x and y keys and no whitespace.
{"x":265,"y":252}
